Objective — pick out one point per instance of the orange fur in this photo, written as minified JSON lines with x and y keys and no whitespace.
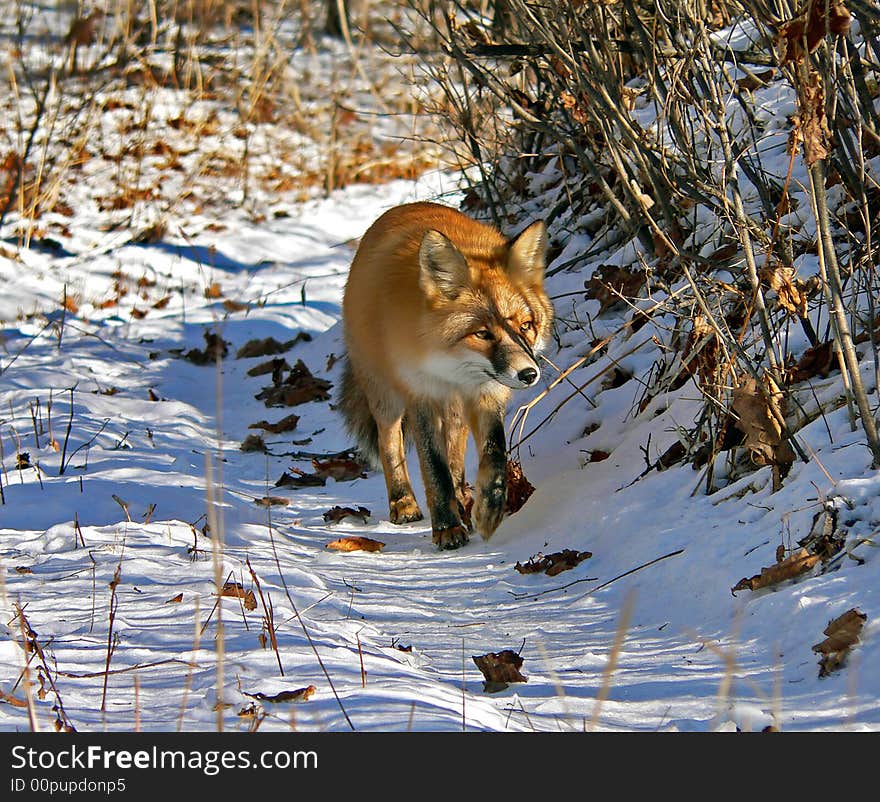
{"x":443,"y":317}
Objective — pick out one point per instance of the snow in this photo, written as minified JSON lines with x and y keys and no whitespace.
{"x":646,"y":635}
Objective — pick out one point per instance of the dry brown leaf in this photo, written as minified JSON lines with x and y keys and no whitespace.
{"x":216,"y":348}
{"x":298,"y":478}
{"x":791,"y":292}
{"x":339,"y":469}
{"x":12,"y":700}
{"x":286,"y":424}
{"x":810,"y":28}
{"x":299,"y":387}
{"x":610,"y":284}
{"x":499,"y":669}
{"x":269,"y":346}
{"x":754,"y":417}
{"x":337,"y":514}
{"x":553,"y":564}
{"x":811,"y":125}
{"x":299,"y":695}
{"x":519,"y":489}
{"x":213,"y":290}
{"x":175,"y":599}
{"x":234,"y":306}
{"x":235,"y":590}
{"x":791,"y":567}
{"x":23,"y":569}
{"x":816,"y":361}
{"x":254,"y":442}
{"x":274,"y":366}
{"x":355,"y":544}
{"x":843,"y":633}
{"x":272,"y":501}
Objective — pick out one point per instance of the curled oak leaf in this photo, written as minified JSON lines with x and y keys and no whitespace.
{"x":843,"y":633}
{"x":811,"y":124}
{"x":816,"y":361}
{"x":499,"y":669}
{"x":298,"y":478}
{"x":299,"y":695}
{"x":610,"y":285}
{"x":337,"y":514}
{"x":355,"y":544}
{"x":286,"y":424}
{"x":175,"y":599}
{"x":791,"y":292}
{"x":253,"y":442}
{"x":216,"y":348}
{"x":274,"y":366}
{"x":759,"y":421}
{"x":269,"y":346}
{"x":9,"y":699}
{"x":272,"y":501}
{"x":791,"y":567}
{"x":553,"y":564}
{"x":519,"y":489}
{"x":806,"y":32}
{"x":299,"y":387}
{"x":235,"y":590}
{"x":339,"y":469}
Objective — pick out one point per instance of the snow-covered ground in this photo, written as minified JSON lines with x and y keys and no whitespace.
{"x":668,"y":647}
{"x":127,"y":498}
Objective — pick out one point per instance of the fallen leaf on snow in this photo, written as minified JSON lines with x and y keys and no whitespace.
{"x":611,"y":285}
{"x":299,"y":695}
{"x":298,"y":478}
{"x":175,"y":599}
{"x":341,"y":470}
{"x":843,"y":633}
{"x":273,"y":366}
{"x":272,"y":501}
{"x":816,"y":361}
{"x":499,"y":669}
{"x":269,"y":346}
{"x":552,"y":564}
{"x":284,"y":425}
{"x":299,"y":387}
{"x":234,"y":590}
{"x":253,"y":442}
{"x":12,"y":700}
{"x":337,"y":514}
{"x":355,"y":544}
{"x":216,"y":348}
{"x":792,"y":566}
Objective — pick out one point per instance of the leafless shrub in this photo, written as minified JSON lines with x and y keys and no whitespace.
{"x":627,"y":123}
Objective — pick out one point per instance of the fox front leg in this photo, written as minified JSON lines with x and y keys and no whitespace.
{"x":447,"y":528}
{"x":490,"y":494}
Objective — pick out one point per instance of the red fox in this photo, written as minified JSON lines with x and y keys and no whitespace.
{"x":443,"y":317}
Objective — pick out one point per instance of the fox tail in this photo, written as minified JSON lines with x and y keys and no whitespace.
{"x":352,"y":403}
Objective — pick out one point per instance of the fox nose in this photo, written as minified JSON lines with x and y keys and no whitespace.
{"x":528,"y":376}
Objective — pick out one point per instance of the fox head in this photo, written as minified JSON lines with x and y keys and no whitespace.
{"x":487,"y":305}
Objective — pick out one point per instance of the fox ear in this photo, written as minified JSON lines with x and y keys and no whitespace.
{"x":443,"y":270}
{"x":525,"y":261}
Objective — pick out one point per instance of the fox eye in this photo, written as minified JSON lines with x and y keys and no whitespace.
{"x":483,"y":334}
{"x":527,"y":326}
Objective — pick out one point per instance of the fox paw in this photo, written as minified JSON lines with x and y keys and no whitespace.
{"x":451,"y":537}
{"x":404,"y":510}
